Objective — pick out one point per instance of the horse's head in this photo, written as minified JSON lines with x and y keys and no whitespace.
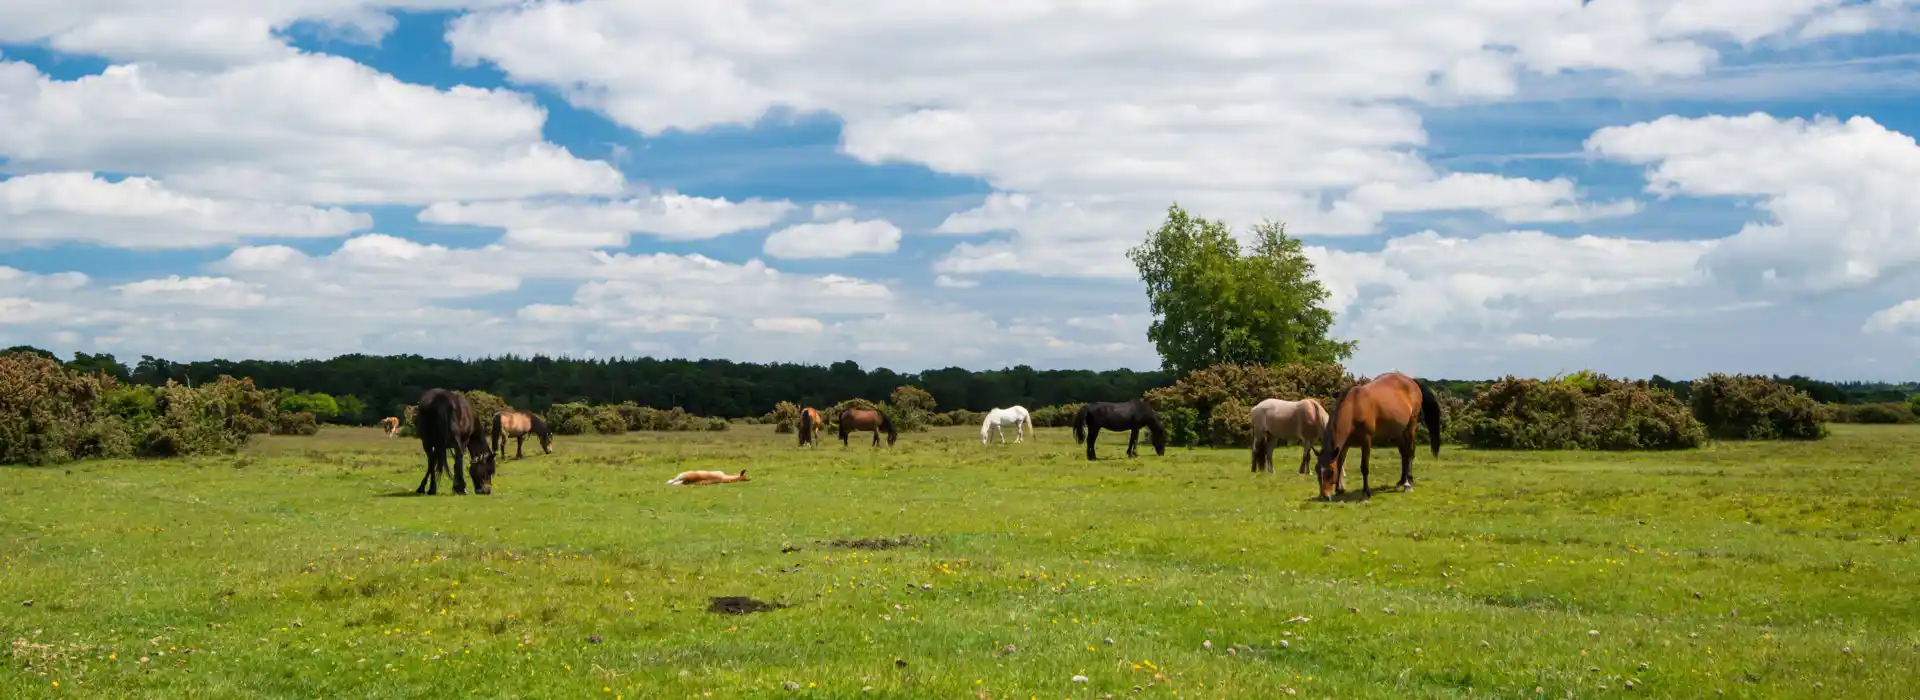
{"x":480,"y":471}
{"x":742,"y":476}
{"x":1159,"y":432}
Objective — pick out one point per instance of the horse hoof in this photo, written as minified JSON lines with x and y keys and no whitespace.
{"x":1406,"y":487}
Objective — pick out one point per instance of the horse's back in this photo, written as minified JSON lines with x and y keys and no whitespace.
{"x":1390,"y":402}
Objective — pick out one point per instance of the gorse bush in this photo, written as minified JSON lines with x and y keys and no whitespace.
{"x":1587,"y":411}
{"x":49,"y":414}
{"x":911,"y":409}
{"x":1874,"y":413}
{"x":1060,"y":416}
{"x":785,"y":417}
{"x":301,"y":423}
{"x":1222,"y":397}
{"x":1746,"y":407}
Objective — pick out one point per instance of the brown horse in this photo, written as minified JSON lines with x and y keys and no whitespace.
{"x":516,"y":425}
{"x":852,"y":419}
{"x":1278,"y":420}
{"x":1389,"y":408}
{"x":391,"y":425}
{"x":810,"y":427}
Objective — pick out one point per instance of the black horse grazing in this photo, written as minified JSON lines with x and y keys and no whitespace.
{"x":1132,"y":415}
{"x":445,"y":420}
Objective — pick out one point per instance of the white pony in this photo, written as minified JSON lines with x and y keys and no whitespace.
{"x":999,"y":418}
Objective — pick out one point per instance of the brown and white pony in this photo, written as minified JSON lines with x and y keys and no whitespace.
{"x":810,"y":427}
{"x":516,"y":425}
{"x":703,"y":478}
{"x":391,"y":425}
{"x":1277,"y":420}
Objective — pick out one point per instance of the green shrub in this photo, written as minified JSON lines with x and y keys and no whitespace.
{"x":1587,"y":411}
{"x":1747,"y":407}
{"x":1230,"y":424}
{"x":1873,"y":413}
{"x":786,"y":417}
{"x":48,"y":413}
{"x":608,"y":420}
{"x":1237,"y":388}
{"x":1060,"y":416}
{"x":486,"y":406}
{"x":911,"y":409}
{"x":570,"y":419}
{"x":299,"y":423}
{"x":322,"y":406}
{"x":1183,"y":426}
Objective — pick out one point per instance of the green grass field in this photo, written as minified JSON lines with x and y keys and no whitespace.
{"x":305,"y":567}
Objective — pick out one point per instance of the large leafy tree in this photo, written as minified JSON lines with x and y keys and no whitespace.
{"x":1215,"y":303}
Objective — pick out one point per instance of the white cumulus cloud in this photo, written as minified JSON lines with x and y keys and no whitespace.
{"x":840,"y":238}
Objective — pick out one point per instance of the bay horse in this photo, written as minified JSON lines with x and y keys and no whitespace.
{"x":810,"y":427}
{"x":704,"y":477}
{"x":1279,"y":420}
{"x":1389,"y":408}
{"x":517,"y":425}
{"x":999,"y":418}
{"x":1132,"y":415}
{"x":391,"y":424}
{"x":852,"y":419}
{"x":445,"y":421}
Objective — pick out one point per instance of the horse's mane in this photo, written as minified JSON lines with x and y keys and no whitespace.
{"x":538,"y":424}
{"x":1333,"y":420}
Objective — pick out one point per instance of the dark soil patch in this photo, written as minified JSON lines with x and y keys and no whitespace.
{"x":879,"y":542}
{"x":740,"y":605}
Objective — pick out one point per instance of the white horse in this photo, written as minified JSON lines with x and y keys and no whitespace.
{"x":999,"y":418}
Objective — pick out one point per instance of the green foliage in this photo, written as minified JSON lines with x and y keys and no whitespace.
{"x":911,"y":408}
{"x":485,"y":405}
{"x":786,"y":417}
{"x":298,"y":423}
{"x":1747,"y":407}
{"x":353,"y":411}
{"x":960,"y":416}
{"x":1594,"y":412}
{"x":1871,"y":413}
{"x":213,"y":418}
{"x":570,"y":418}
{"x":1060,"y":416}
{"x":1214,"y":305}
{"x":322,"y":406}
{"x":49,"y":414}
{"x":1230,"y":424}
{"x":1913,"y":403}
{"x":1183,"y":426}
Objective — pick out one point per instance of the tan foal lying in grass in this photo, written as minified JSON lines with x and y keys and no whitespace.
{"x":703,"y":478}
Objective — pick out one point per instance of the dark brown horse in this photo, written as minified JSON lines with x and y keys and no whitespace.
{"x":1389,"y":409}
{"x":810,"y":427}
{"x":852,"y":419}
{"x":445,"y":421}
{"x":1132,"y":416}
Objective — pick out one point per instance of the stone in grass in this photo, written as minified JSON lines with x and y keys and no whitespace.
{"x":1079,"y":679}
{"x":790,"y":685}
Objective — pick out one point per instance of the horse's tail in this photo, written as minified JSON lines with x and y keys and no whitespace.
{"x":806,"y":426}
{"x":1080,"y":424}
{"x":1430,"y":414}
{"x":498,"y":440}
{"x":1026,"y":417}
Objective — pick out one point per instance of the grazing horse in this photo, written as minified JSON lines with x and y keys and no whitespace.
{"x":1389,"y":408}
{"x":852,"y":419}
{"x":391,"y":425}
{"x":1277,"y":420}
{"x":810,"y":427}
{"x":516,"y":425}
{"x":704,"y":478}
{"x":445,"y":421}
{"x":1000,"y":418}
{"x":1132,"y":415}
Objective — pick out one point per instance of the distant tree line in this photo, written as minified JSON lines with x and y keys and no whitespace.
{"x":367,"y":388}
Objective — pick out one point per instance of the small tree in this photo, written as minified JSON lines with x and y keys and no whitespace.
{"x":1214,"y":305}
{"x":911,"y":408}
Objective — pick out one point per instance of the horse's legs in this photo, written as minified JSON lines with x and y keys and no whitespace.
{"x":1366,"y":452}
{"x":1256,"y":454}
{"x":1133,"y":442}
{"x":1306,"y":455}
{"x":459,"y":470}
{"x":1340,"y":471}
{"x":1093,"y":431}
{"x":422,"y":488}
{"x":1406,"y":462}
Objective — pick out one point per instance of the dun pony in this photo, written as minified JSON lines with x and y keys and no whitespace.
{"x":1132,"y":415}
{"x":852,"y":419}
{"x":391,"y":424}
{"x":1278,"y":420}
{"x":445,"y":421}
{"x":1389,"y":408}
{"x":516,"y":425}
{"x":707,"y":477}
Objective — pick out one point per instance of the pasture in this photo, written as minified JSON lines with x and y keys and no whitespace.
{"x":306,"y":567}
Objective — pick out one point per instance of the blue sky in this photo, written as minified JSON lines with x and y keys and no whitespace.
{"x":1635,"y":187}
